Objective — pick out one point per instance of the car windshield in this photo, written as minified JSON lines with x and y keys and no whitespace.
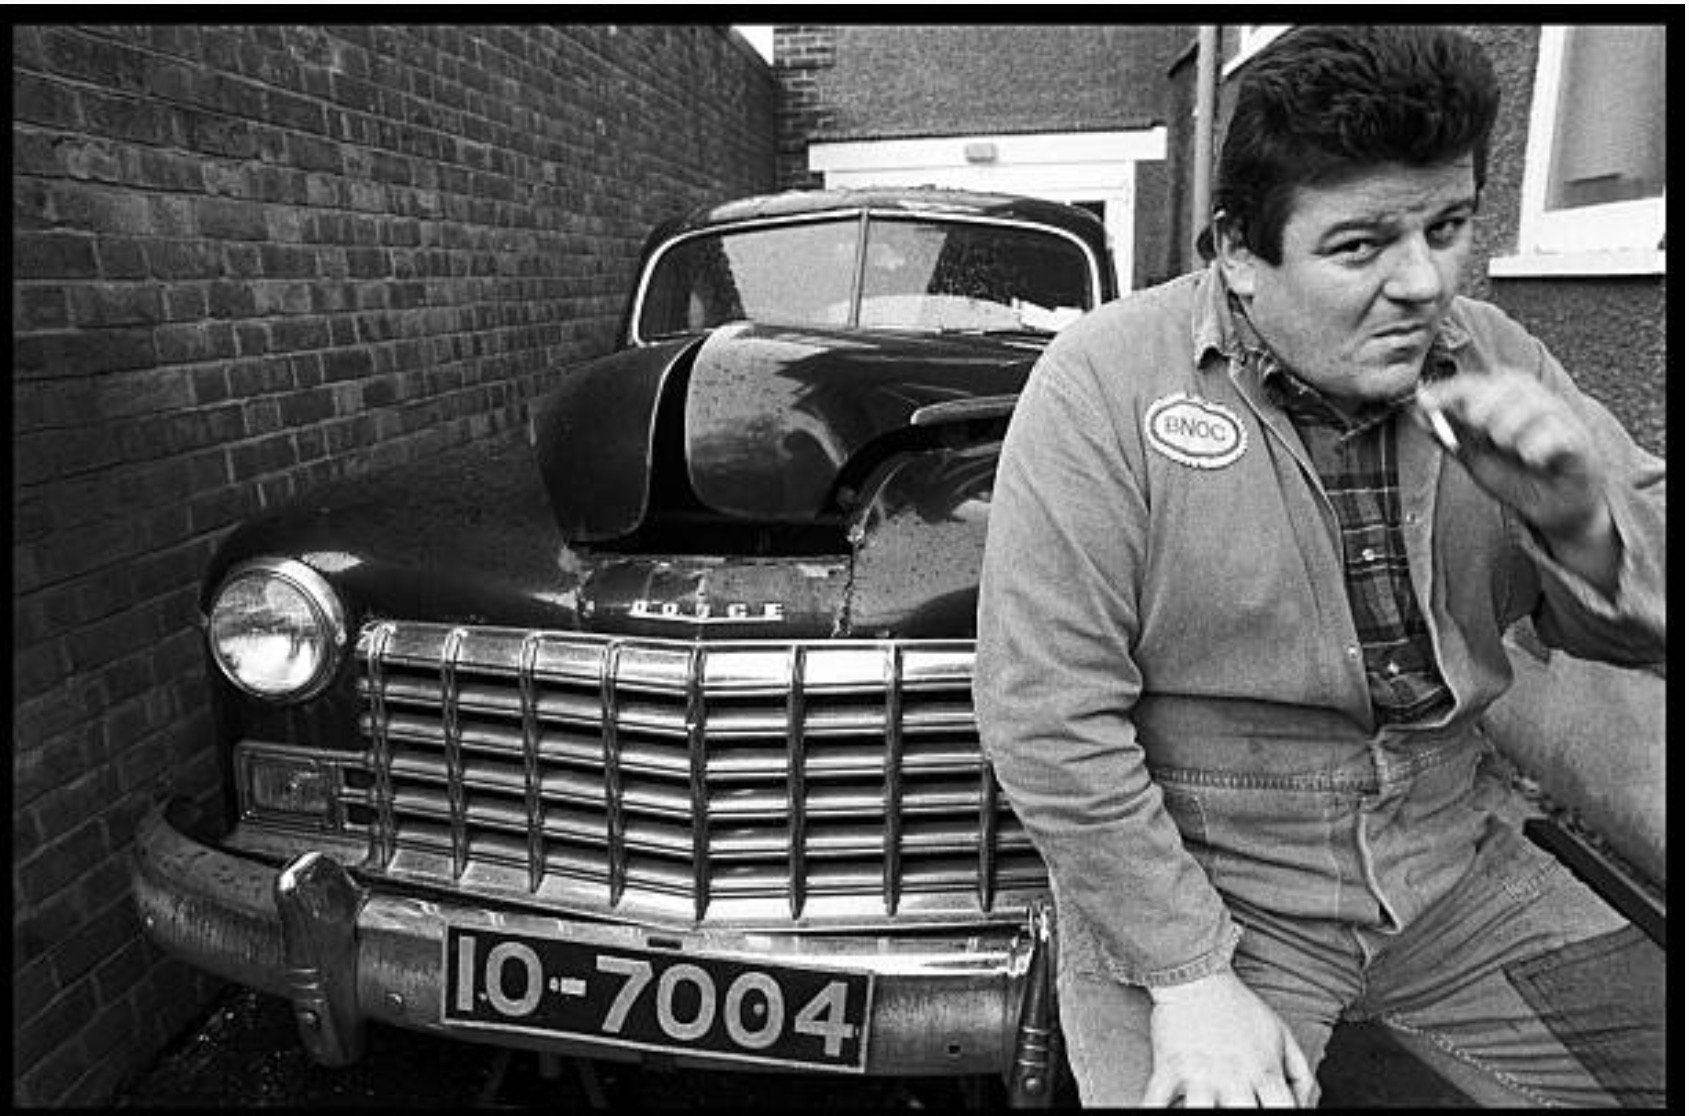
{"x":916,"y":274}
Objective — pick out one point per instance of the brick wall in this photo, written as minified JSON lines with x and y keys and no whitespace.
{"x":246,"y":260}
{"x":799,"y":53}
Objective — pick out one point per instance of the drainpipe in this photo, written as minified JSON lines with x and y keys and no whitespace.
{"x":1207,"y":51}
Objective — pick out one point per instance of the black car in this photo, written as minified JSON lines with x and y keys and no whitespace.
{"x":658,"y":740}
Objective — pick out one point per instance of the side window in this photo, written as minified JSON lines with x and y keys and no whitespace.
{"x":1593,"y":195}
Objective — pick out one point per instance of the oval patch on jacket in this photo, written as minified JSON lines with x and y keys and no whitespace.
{"x":1193,"y":431}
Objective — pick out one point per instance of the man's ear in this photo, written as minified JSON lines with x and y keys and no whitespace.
{"x":1237,"y":262}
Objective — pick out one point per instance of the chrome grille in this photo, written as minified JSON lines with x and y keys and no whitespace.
{"x":759,"y":782}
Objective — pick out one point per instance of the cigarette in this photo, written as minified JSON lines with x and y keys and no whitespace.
{"x":1441,"y":428}
{"x":1444,"y":433}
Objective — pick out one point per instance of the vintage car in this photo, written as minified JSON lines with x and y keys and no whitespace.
{"x":655,"y":740}
{"x":652,"y":739}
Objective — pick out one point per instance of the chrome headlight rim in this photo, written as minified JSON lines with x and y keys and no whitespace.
{"x":324,"y":604}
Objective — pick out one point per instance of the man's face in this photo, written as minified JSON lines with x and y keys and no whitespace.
{"x":1369,"y":267}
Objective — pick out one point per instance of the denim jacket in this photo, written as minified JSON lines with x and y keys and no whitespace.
{"x":1162,"y":571}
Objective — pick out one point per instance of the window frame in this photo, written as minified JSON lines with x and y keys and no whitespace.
{"x":1616,"y":238}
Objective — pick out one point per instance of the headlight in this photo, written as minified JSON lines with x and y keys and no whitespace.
{"x":276,"y":629}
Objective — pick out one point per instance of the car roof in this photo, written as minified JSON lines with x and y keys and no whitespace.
{"x":913,"y":199}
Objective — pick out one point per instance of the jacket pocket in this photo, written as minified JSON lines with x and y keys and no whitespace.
{"x":1185,"y":808}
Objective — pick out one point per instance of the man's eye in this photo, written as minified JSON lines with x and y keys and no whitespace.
{"x":1359,"y":248}
{"x":1444,"y":233}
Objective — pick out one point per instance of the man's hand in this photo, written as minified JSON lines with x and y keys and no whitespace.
{"x":1216,"y":1044}
{"x":1525,"y":446}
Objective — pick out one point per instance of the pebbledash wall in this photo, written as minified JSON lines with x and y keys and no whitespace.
{"x":246,"y":260}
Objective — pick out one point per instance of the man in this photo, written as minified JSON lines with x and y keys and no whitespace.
{"x":1240,"y":611}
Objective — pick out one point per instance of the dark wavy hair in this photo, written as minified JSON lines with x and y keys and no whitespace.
{"x":1321,"y":104}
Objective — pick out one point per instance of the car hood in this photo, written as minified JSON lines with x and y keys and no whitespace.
{"x":766,"y":423}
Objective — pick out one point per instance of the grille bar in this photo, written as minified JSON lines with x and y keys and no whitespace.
{"x":893,"y":862}
{"x":796,"y":792}
{"x":454,"y":749}
{"x":614,"y":823}
{"x":988,"y":807}
{"x":532,"y":777}
{"x":381,"y":748}
{"x":698,"y":752}
{"x":603,"y":773}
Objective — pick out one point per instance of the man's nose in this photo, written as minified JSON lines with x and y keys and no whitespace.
{"x":1415,"y":276}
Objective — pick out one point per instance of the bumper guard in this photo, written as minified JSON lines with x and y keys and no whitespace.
{"x":344,"y":954}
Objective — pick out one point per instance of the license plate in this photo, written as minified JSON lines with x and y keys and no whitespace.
{"x":671,"y":1001}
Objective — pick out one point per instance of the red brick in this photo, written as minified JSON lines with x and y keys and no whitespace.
{"x":49,"y":455}
{"x":184,"y":302}
{"x":123,"y":258}
{"x":219,"y":134}
{"x":96,"y":940}
{"x":232,"y":300}
{"x":275,"y":297}
{"x":53,"y":1028}
{"x":53,"y":255}
{"x":252,"y":338}
{"x":33,"y":988}
{"x":265,"y":455}
{"x":146,"y":391}
{"x":262,"y":416}
{"x":79,"y":55}
{"x":194,"y":342}
{"x":116,"y":304}
{"x":111,"y":1067}
{"x":183,"y":259}
{"x":52,"y":763}
{"x":75,"y":603}
{"x":38,"y":307}
{"x":125,"y":679}
{"x":109,"y":638}
{"x":42,"y":100}
{"x":145,"y":761}
{"x":61,"y":861}
{"x":83,"y":352}
{"x":225,"y":219}
{"x":50,"y":403}
{"x":242,"y":260}
{"x":129,"y":119}
{"x":288,"y":261}
{"x":50,"y":712}
{"x":210,"y":385}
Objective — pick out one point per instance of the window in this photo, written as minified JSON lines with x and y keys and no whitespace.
{"x":914,"y":274}
{"x":1251,"y":38}
{"x":1593,"y":196}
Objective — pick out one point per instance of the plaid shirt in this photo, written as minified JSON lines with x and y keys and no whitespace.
{"x":1355,"y":457}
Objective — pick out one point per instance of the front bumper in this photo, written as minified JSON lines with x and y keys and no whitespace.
{"x":345,"y":954}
